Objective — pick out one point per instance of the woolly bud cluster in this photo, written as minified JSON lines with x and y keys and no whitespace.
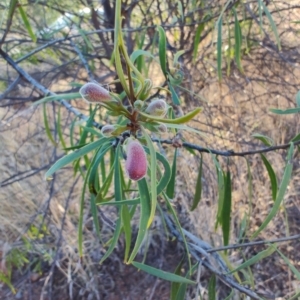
{"x":136,"y":162}
{"x":94,"y":93}
{"x":158,"y":108}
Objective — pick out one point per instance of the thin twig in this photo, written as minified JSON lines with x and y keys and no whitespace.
{"x":250,"y":244}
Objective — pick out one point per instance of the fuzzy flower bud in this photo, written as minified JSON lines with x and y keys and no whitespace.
{"x":162,"y":128}
{"x":107,"y":130}
{"x":136,"y":162}
{"x":138,"y":104}
{"x":94,"y":93}
{"x":158,"y":108}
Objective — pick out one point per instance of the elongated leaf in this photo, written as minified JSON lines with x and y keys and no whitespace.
{"x":198,"y":33}
{"x":74,"y":155}
{"x":177,"y":223}
{"x":27,"y":23}
{"x":152,"y":176}
{"x":68,"y":96}
{"x":47,"y":127}
{"x":167,"y":172}
{"x":171,"y":185}
{"x":122,"y":202}
{"x":254,"y":259}
{"x":212,"y":288}
{"x":118,"y":197}
{"x":298,"y":99}
{"x":184,"y":119}
{"x":175,"y":285}
{"x":219,"y":48}
{"x":221,"y":189}
{"x":162,"y":49}
{"x":272,"y":176}
{"x":285,"y":111}
{"x":272,"y":23}
{"x":12,"y":7}
{"x":175,"y":98}
{"x":238,"y":41}
{"x":280,"y":194}
{"x":144,"y":217}
{"x":95,"y":216}
{"x":137,"y":53}
{"x":162,"y":274}
{"x":287,"y":261}
{"x":265,"y":139}
{"x":59,"y":130}
{"x":177,"y":56}
{"x":226,"y":209}
{"x":95,"y":166}
{"x":198,"y":189}
{"x":127,"y":229}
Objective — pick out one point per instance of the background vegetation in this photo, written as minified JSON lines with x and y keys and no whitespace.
{"x":240,"y":61}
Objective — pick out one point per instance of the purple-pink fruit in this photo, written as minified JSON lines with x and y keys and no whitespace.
{"x":95,"y":93}
{"x":136,"y":162}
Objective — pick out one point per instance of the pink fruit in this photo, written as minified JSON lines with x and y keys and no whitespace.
{"x":136,"y":162}
{"x":94,"y":93}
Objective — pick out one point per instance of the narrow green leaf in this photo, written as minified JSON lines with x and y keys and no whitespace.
{"x":59,"y":130}
{"x":94,"y":212}
{"x":272,"y":23}
{"x":221,"y":189}
{"x":137,"y":53}
{"x":263,"y":138}
{"x":298,"y":99}
{"x":285,"y":111}
{"x":280,"y":194}
{"x":177,"y":223}
{"x":226,"y":209}
{"x":212,"y":288}
{"x":164,"y":180}
{"x":177,"y":55}
{"x":68,"y":96}
{"x":162,"y":47}
{"x":73,"y":156}
{"x":162,"y":274}
{"x":144,"y":217}
{"x":47,"y":127}
{"x":152,"y":176}
{"x":238,"y":41}
{"x":27,"y":23}
{"x":174,"y":96}
{"x":198,"y":189}
{"x":219,"y":48}
{"x":296,"y":138}
{"x":122,"y":202}
{"x":12,"y":7}
{"x":287,"y":261}
{"x":118,"y":197}
{"x":127,"y":229}
{"x":184,"y":119}
{"x":171,"y":185}
{"x":272,"y":176}
{"x":254,"y":259}
{"x":198,"y":33}
{"x":175,"y":285}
